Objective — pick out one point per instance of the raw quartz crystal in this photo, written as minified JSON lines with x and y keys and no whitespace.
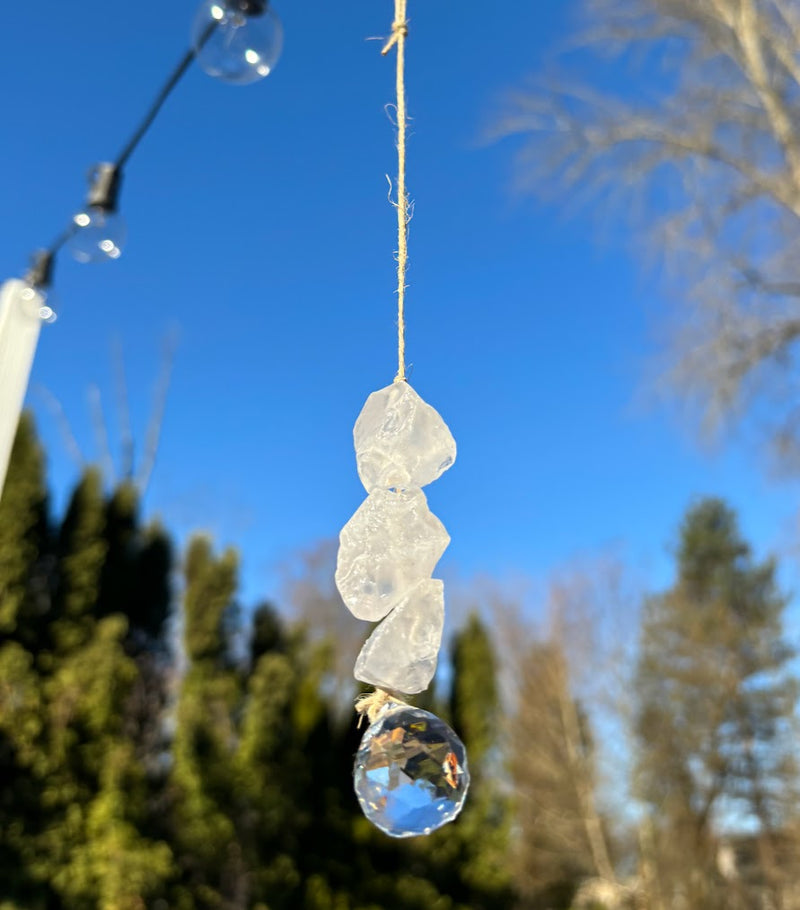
{"x":400,"y":440}
{"x":389,"y":548}
{"x":391,"y":542}
{"x":410,"y":773}
{"x":401,"y":653}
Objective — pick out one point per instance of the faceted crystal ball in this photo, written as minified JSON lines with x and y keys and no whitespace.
{"x":401,"y":653}
{"x":391,"y":543}
{"x":400,"y":440}
{"x":410,"y":773}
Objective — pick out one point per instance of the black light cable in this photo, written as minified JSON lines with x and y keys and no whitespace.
{"x":237,"y":41}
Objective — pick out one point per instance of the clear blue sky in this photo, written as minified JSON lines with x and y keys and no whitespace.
{"x":259,"y":225}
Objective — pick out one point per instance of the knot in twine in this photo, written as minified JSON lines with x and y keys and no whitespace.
{"x":371,"y":704}
{"x":399,"y":30}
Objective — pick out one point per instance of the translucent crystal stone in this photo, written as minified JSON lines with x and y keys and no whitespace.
{"x":410,"y":772}
{"x":401,"y":653}
{"x":392,"y":542}
{"x":400,"y":440}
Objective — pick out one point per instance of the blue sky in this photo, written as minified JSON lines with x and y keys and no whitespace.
{"x":259,"y":228}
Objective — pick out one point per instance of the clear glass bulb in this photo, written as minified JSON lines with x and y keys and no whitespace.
{"x":39,"y":303}
{"x":236,"y":46}
{"x":99,"y":235}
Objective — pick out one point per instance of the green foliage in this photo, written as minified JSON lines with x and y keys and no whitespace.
{"x":475,"y":707}
{"x":113,"y":867}
{"x":210,"y":586}
{"x":267,"y":633}
{"x":240,"y":796}
{"x":480,"y":844}
{"x":221,"y":778}
{"x":77,"y":809}
{"x":81,"y":552}
{"x":24,"y":544}
{"x":204,"y":744}
{"x":23,"y":531}
{"x":135,"y":578}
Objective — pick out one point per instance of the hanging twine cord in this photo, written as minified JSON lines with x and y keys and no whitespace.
{"x":398,"y":39}
{"x":371,"y":704}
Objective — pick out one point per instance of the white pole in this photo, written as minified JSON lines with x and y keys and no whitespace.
{"x":21,"y":311}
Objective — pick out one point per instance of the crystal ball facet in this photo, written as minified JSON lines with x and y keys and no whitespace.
{"x":410,"y":773}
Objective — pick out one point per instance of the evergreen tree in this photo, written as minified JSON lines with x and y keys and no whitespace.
{"x":154,"y":560}
{"x":80,"y":829}
{"x":329,"y":858}
{"x":21,"y":816}
{"x":119,"y":866}
{"x":267,"y":633}
{"x":135,"y":583}
{"x":118,"y":588}
{"x":96,"y":854}
{"x":24,"y":600}
{"x":269,"y":770}
{"x":277,"y":822}
{"x":203,"y":818}
{"x":241,"y":799}
{"x":482,"y":832}
{"x":474,"y":702}
{"x":81,"y":553}
{"x":714,"y":704}
{"x":23,"y":538}
{"x":135,"y":579}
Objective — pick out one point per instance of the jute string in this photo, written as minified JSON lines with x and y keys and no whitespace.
{"x":398,"y":40}
{"x":371,"y":704}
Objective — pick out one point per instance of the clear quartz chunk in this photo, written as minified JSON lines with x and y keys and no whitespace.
{"x":390,"y":544}
{"x":401,"y":653}
{"x":400,"y":440}
{"x":410,"y":773}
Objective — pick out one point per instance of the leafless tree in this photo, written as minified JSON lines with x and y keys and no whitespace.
{"x":706,"y":134}
{"x":100,"y":424}
{"x":559,"y":678}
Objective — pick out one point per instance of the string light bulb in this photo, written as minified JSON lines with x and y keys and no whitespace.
{"x":98,"y":231}
{"x":237,"y":41}
{"x":38,"y":297}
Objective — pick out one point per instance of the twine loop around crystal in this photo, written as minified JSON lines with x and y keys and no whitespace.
{"x":371,"y":704}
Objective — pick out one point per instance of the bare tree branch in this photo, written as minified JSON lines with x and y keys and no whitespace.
{"x":123,"y":411}
{"x":101,"y":433}
{"x":154,"y":427}
{"x":53,"y":404}
{"x":704,"y":150}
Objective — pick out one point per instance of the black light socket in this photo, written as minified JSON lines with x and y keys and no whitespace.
{"x":40,"y":274}
{"x":249,"y":7}
{"x":105,"y":180}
